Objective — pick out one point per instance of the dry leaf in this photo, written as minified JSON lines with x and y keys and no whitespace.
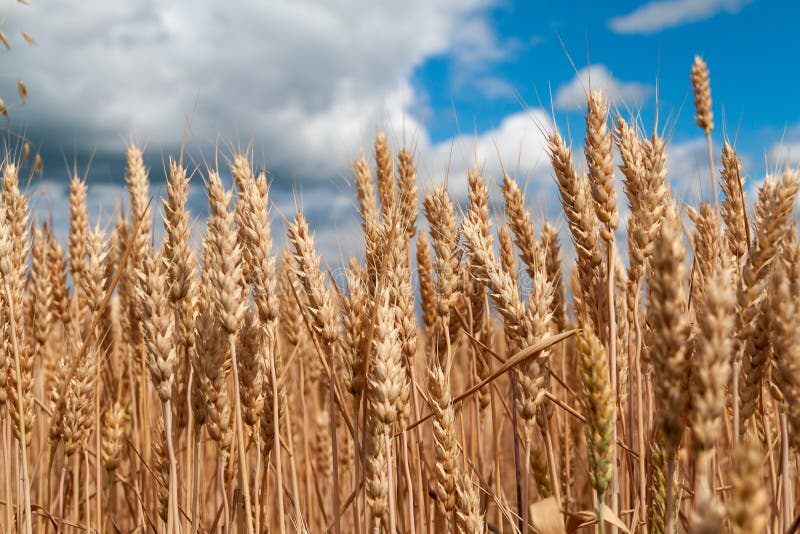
{"x":29,"y":38}
{"x":590,"y":517}
{"x":4,"y":40}
{"x":546,"y":517}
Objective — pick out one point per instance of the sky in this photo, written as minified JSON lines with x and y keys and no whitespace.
{"x":307,"y":84}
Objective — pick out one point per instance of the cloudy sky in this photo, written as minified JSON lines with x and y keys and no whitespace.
{"x":308,"y":83}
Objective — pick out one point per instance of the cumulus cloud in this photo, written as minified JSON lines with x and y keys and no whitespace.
{"x":573,"y":94}
{"x":787,"y":151}
{"x":687,"y":173}
{"x":517,"y":145}
{"x":660,"y":15}
{"x":493,"y":87}
{"x":310,"y":81}
{"x":50,"y":203}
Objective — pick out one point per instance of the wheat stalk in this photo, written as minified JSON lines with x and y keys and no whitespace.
{"x":13,"y":267}
{"x":669,"y":352}
{"x":711,"y":366}
{"x":598,"y":398}
{"x":704,"y":116}
{"x":734,"y":212}
{"x":775,"y":204}
{"x":748,"y":508}
{"x":324,"y":322}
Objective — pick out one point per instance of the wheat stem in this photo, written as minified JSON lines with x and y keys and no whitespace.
{"x":98,"y":498}
{"x":669,"y":519}
{"x":277,"y":430}
{"x":710,"y":150}
{"x":196,"y":484}
{"x":786,"y":484}
{"x":86,"y":500}
{"x":552,"y":466}
{"x":410,"y":483}
{"x":390,"y":480}
{"x":173,"y":468}
{"x":23,"y":446}
{"x":7,"y":461}
{"x":357,"y":462}
{"x":526,"y":479}
{"x":612,"y":357}
{"x":337,"y":529}
{"x":601,"y":524}
{"x":240,"y":445}
{"x":734,"y":386}
{"x":517,"y":465}
{"x":295,"y":486}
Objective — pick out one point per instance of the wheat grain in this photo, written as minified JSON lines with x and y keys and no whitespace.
{"x":519,"y":220}
{"x":41,"y":294}
{"x":158,"y":326}
{"x":600,"y":160}
{"x":113,"y":434}
{"x":444,"y":235}
{"x":775,"y":204}
{"x":78,"y":229}
{"x":748,"y":508}
{"x":385,"y":174}
{"x":675,"y":386}
{"x":598,"y":399}
{"x":701,"y":85}
{"x":733,"y":208}
{"x":407,"y":189}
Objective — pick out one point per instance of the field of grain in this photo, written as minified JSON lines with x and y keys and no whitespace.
{"x":465,"y":377}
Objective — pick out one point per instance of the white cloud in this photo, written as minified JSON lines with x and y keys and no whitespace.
{"x":309,"y":80}
{"x":687,"y":170}
{"x":573,"y":94}
{"x":660,"y":15}
{"x":492,"y":87}
{"x":517,"y":144}
{"x":50,"y":203}
{"x":785,"y":153}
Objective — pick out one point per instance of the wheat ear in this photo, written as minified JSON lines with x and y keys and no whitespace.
{"x":228,"y":284}
{"x":774,"y":208}
{"x":582,"y":222}
{"x":161,"y":358}
{"x":519,"y":219}
{"x":13,"y":268}
{"x":599,"y":409}
{"x":704,"y":117}
{"x":734,"y":211}
{"x":711,"y":365}
{"x":669,"y":353}
{"x":385,"y":173}
{"x":78,"y":230}
{"x":748,"y":507}
{"x":324,"y":321}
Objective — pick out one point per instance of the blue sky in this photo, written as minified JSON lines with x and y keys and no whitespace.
{"x":307,"y":83}
{"x":748,"y":45}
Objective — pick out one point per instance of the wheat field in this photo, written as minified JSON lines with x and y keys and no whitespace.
{"x":464,"y":377}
